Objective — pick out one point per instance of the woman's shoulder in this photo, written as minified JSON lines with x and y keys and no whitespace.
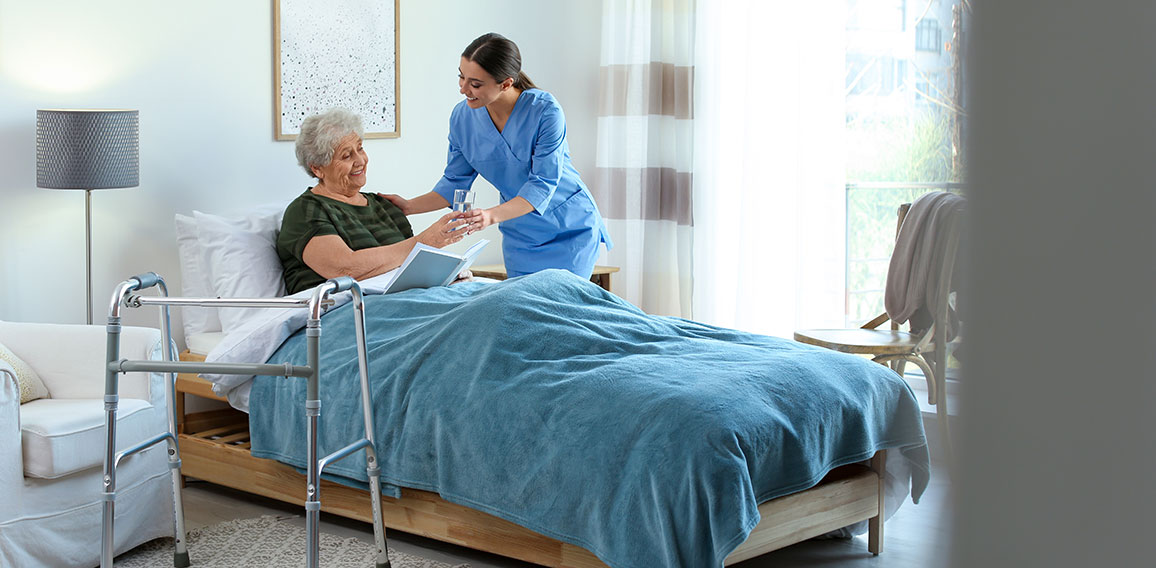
{"x":542,"y":99}
{"x":378,"y":200}
{"x":541,"y":106}
{"x":306,"y":197}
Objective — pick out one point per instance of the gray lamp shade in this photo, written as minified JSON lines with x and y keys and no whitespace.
{"x":87,"y":149}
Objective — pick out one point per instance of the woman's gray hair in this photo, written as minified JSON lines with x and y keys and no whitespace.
{"x":321,"y":133}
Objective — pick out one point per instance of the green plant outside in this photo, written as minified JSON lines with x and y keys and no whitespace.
{"x":899,"y":150}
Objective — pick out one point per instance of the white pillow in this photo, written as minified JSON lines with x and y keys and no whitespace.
{"x":31,"y":387}
{"x":196,"y":279}
{"x":243,"y":259}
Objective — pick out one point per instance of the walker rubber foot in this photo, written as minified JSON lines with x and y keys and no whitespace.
{"x":181,"y":560}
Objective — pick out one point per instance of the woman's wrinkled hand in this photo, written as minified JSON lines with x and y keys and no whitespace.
{"x":464,"y":276}
{"x":445,"y":231}
{"x":477,"y":219}
{"x":401,"y":202}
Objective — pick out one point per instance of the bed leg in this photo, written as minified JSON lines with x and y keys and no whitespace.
{"x":875,"y":524}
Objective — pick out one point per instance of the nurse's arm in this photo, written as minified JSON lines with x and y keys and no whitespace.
{"x":481,"y":218}
{"x":421,"y":204}
{"x":511,"y":209}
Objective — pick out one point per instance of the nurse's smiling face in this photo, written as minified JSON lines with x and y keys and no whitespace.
{"x":345,"y":173}
{"x":479,"y":88}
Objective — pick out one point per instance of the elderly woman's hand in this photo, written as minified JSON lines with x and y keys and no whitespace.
{"x":445,"y":231}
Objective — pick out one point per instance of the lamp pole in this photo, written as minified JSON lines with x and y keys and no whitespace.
{"x":88,"y":253}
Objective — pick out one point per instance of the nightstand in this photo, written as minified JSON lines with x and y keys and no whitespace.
{"x":601,"y":275}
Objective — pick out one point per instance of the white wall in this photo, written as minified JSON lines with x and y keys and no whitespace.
{"x":201,"y":75}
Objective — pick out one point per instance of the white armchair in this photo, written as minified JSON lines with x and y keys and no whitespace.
{"x":52,"y":449}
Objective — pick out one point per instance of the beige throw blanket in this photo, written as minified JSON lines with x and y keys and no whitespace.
{"x":913,"y":276}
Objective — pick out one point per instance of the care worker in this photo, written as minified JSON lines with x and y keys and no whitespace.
{"x":514,"y":135}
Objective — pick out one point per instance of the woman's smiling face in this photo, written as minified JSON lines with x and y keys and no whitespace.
{"x":345,"y":172}
{"x":479,"y":88}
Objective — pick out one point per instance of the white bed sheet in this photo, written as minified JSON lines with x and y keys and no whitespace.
{"x":204,"y":342}
{"x":263,"y":332}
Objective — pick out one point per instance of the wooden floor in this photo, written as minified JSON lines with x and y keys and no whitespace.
{"x":915,"y":537}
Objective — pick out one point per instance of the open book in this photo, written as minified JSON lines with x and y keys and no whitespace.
{"x":426,"y":267}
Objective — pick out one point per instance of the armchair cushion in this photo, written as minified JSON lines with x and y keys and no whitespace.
{"x":63,"y":436}
{"x":31,"y":387}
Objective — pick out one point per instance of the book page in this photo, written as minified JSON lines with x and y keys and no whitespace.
{"x":468,"y":259}
{"x":426,"y":267}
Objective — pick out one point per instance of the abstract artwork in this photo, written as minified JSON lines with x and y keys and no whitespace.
{"x":336,"y":54}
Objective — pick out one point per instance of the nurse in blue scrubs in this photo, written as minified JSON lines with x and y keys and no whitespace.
{"x":514,"y":135}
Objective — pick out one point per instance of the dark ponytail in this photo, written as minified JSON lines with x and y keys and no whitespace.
{"x":500,"y":58}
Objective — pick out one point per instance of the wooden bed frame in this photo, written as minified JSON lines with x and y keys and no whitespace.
{"x":215,"y":448}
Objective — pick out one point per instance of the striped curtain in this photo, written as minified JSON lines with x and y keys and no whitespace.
{"x":642,"y":180}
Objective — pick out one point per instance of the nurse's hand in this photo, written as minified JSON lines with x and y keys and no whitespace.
{"x":445,"y":231}
{"x":478,"y":219}
{"x":401,"y":203}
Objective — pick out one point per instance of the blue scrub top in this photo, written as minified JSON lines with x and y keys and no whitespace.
{"x":528,"y":158}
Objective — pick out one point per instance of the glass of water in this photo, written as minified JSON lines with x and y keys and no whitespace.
{"x":463,"y":200}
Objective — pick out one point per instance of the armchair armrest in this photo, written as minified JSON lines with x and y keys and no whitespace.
{"x":70,"y":359}
{"x":9,"y":389}
{"x":11,"y":458}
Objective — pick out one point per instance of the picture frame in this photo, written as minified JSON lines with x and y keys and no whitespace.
{"x":336,"y":54}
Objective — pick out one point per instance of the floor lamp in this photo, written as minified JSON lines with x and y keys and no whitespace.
{"x":87,"y":149}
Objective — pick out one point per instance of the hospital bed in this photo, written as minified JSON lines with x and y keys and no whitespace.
{"x":218,"y":446}
{"x":215,"y":448}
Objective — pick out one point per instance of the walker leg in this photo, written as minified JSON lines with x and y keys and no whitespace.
{"x":313,"y":473}
{"x":111,"y":399}
{"x":378,"y":524}
{"x":108,"y":515}
{"x":312,"y":489}
{"x":180,"y":551}
{"x":372,"y":470}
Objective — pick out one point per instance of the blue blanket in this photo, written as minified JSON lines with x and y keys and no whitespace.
{"x":547,"y":401}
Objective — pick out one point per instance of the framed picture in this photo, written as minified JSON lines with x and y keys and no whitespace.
{"x":336,"y":54}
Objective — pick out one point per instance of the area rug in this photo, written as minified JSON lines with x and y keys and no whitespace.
{"x":264,"y":541}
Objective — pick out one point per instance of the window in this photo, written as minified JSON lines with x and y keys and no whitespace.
{"x":928,"y":36}
{"x":874,"y":75}
{"x":902,"y":127}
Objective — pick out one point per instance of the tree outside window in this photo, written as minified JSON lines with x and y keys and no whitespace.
{"x":905,"y":117}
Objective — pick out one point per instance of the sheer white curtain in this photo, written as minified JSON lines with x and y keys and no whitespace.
{"x":642,"y":180}
{"x":768,"y":196}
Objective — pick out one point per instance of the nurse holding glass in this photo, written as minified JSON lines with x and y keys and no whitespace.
{"x":514,"y":135}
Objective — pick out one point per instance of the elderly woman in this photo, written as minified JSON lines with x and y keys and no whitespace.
{"x":333,"y":229}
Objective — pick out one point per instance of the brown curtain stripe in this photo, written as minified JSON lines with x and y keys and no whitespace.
{"x":665,"y":193}
{"x":669,"y":90}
